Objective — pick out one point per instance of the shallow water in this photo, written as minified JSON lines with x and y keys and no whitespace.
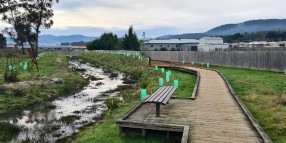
{"x":88,"y":104}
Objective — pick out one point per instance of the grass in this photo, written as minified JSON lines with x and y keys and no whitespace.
{"x":51,"y":66}
{"x":186,"y":83}
{"x":47,"y":66}
{"x":8,"y":131}
{"x":259,"y":91}
{"x":147,"y":78}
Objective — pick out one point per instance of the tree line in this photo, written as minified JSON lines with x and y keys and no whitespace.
{"x":257,"y":36}
{"x":110,"y":41}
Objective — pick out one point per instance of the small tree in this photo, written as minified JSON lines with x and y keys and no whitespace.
{"x":27,"y":17}
{"x":130,"y":41}
{"x":3,"y":42}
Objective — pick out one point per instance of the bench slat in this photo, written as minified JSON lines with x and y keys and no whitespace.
{"x":161,"y":94}
{"x":152,"y":96}
{"x":169,"y":96}
{"x":165,"y":94}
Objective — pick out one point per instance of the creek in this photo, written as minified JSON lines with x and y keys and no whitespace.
{"x":70,"y":113}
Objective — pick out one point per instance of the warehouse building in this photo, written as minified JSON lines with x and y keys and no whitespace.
{"x":172,"y":44}
{"x":204,"y":44}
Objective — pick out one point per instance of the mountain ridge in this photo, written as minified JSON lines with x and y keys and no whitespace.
{"x":48,"y":39}
{"x":230,"y":29}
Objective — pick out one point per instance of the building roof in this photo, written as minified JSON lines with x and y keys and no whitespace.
{"x":172,"y":41}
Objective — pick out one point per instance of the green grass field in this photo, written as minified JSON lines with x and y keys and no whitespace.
{"x":259,"y":91}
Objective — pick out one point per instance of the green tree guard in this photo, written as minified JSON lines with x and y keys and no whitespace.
{"x":161,"y":82}
{"x":143,"y":94}
{"x":167,"y":78}
{"x":163,"y":70}
{"x":176,"y":83}
{"x":156,"y":68}
{"x":193,"y":63}
{"x":208,"y":65}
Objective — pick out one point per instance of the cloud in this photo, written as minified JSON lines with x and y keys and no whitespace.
{"x":173,"y":16}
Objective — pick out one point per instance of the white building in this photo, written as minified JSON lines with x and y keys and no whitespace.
{"x":212,"y":44}
{"x":258,"y":44}
{"x":172,"y":44}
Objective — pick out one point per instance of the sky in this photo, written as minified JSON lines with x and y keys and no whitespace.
{"x":156,"y":17}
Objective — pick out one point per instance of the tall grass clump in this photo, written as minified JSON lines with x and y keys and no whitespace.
{"x":7,"y":131}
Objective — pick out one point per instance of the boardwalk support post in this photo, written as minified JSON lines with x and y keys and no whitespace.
{"x":157,"y":109}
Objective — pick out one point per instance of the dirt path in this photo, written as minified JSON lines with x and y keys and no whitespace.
{"x":218,"y":117}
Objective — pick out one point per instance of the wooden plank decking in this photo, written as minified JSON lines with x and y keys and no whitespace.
{"x":217,"y":117}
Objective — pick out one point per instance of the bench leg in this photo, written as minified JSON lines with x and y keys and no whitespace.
{"x":157,"y":109}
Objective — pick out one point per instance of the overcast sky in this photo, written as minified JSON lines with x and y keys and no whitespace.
{"x":157,"y":17}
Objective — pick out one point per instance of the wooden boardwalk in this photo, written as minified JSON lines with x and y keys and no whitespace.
{"x":214,"y":116}
{"x":217,"y":117}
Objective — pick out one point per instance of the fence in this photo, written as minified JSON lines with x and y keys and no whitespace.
{"x":259,"y":60}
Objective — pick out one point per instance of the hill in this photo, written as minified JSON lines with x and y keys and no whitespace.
{"x":230,"y":29}
{"x":57,"y":40}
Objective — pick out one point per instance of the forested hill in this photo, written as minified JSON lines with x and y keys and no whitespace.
{"x":230,"y":29}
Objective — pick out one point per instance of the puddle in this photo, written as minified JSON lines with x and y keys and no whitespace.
{"x":84,"y":107}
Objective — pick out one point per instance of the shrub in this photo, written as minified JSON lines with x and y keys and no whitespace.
{"x":164,"y":49}
{"x":7,"y":131}
{"x":69,"y":118}
{"x":11,"y":76}
{"x":144,"y":84}
{"x":19,"y":92}
{"x":128,"y":95}
{"x":112,"y":103}
{"x":137,"y":74}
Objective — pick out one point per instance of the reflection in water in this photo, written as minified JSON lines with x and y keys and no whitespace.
{"x":87,"y":104}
